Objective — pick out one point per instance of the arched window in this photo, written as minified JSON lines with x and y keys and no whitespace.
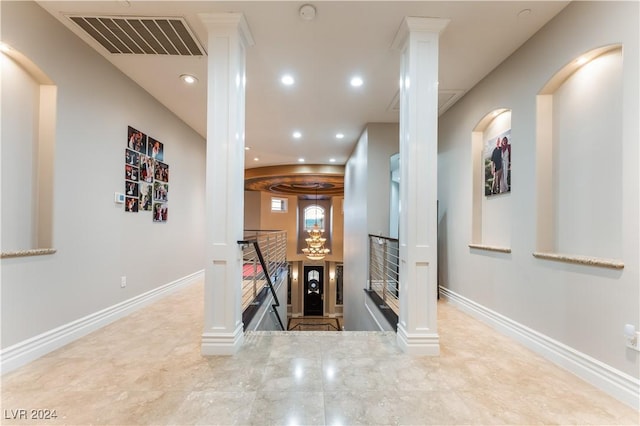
{"x":313,"y":215}
{"x":313,"y":275}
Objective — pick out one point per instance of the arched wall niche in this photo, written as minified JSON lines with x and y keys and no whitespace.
{"x":28,"y":148}
{"x":491,"y":215}
{"x":578,"y":161}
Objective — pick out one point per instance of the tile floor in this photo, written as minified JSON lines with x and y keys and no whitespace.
{"x":147,"y":369}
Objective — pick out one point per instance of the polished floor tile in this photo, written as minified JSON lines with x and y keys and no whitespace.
{"x":146,"y":369}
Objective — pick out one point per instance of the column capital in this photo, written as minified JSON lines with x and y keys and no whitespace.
{"x":411,"y":24}
{"x":233,"y":20}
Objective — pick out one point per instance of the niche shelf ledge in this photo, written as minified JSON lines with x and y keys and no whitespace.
{"x":27,"y":253}
{"x":580,"y":260}
{"x":490,"y":248}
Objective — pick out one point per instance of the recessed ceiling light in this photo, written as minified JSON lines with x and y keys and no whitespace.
{"x":247,"y":148}
{"x":256,"y":159}
{"x":287,"y":80}
{"x":300,"y":160}
{"x":307,"y":12}
{"x":332,"y":160}
{"x":524,"y":13}
{"x":339,"y":135}
{"x":356,"y":81}
{"x":188,"y":78}
{"x":297,"y":134}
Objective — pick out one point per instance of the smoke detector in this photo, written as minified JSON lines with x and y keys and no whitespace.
{"x":307,"y":12}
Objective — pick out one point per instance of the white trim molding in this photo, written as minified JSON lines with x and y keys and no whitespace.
{"x":614,"y":382}
{"x":22,"y":353}
{"x":216,"y":342}
{"x":419,"y":344}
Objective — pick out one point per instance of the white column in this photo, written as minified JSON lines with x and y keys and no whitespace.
{"x":417,"y":39}
{"x":228,"y":38}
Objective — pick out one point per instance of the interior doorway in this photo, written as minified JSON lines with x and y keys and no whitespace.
{"x":313,"y":290}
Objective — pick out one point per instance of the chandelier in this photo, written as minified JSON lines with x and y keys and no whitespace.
{"x":315,"y":249}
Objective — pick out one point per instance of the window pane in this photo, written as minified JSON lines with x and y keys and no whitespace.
{"x":339,"y":284}
{"x":313,"y":215}
{"x":278,"y":204}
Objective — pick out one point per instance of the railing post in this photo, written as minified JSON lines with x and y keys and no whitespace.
{"x":371,"y":257}
{"x":255,"y":280}
{"x":384,"y":271}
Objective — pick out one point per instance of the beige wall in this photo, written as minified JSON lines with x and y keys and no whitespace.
{"x":583,"y":308}
{"x":97,"y":241}
{"x":252,"y":213}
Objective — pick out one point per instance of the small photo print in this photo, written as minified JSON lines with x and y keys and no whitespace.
{"x":161,"y":171}
{"x":131,"y":173}
{"x":131,"y":204}
{"x":155,"y":149}
{"x":160,"y":212}
{"x":131,"y":189}
{"x":131,"y":157}
{"x":136,"y":140}
{"x":146,"y":192}
{"x":146,"y":168}
{"x":160,"y":191}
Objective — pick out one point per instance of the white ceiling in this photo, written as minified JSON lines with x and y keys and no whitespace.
{"x":344,"y":39}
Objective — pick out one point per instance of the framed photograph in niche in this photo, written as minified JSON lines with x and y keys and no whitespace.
{"x":155,"y":149}
{"x":136,"y":140}
{"x":160,"y":212}
{"x":496,"y":156}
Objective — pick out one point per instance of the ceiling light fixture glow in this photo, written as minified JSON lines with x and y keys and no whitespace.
{"x":300,"y":160}
{"x":297,"y":134}
{"x":357,"y":81}
{"x":247,"y":148}
{"x":188,"y":78}
{"x":339,"y":135}
{"x":287,"y":80}
{"x":332,"y":160}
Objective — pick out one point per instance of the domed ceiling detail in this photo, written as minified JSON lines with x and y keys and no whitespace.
{"x":301,"y":180}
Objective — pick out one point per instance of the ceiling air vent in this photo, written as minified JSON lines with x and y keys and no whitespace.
{"x":141,"y":35}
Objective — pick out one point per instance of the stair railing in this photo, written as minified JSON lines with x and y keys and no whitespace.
{"x":264,"y":262}
{"x":384,"y":285}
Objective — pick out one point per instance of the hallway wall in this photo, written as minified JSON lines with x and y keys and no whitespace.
{"x":366,"y":211}
{"x":582,"y":307}
{"x":97,"y":242}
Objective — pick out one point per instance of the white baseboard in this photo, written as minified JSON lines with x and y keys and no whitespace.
{"x":220,"y":343}
{"x":616,"y":383}
{"x":28,"y":350}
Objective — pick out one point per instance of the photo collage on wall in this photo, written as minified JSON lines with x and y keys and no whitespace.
{"x":497,"y":164}
{"x":146,"y":176}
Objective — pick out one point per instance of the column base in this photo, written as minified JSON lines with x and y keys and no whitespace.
{"x":222,"y":343}
{"x":422,"y":344}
